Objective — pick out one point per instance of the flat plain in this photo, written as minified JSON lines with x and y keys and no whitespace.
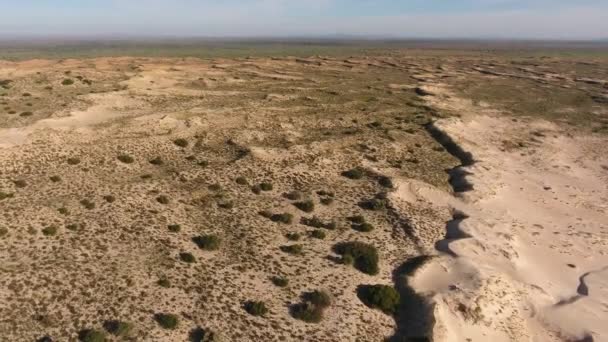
{"x":263,"y":198}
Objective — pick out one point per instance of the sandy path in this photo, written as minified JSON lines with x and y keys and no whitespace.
{"x":528,"y":260}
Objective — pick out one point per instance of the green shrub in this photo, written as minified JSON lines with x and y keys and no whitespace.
{"x":174,"y":228}
{"x":327,"y":200}
{"x":20,"y":183}
{"x":26,"y":114}
{"x":386,"y":182}
{"x":363,"y":227}
{"x":4,"y":195}
{"x":356,"y":173}
{"x":63,"y":211}
{"x":162,"y":199}
{"x":280,"y":281}
{"x":312,"y":307}
{"x":373,"y":204}
{"x":316,"y":222}
{"x":207,"y":242}
{"x":118,"y":328}
{"x":382,"y":297}
{"x":358,"y":219}
{"x":318,"y":234}
{"x":157,"y":161}
{"x":293,"y":236}
{"x":55,"y":179}
{"x":204,"y":335}
{"x":3,"y":231}
{"x":50,"y":231}
{"x":87,"y":204}
{"x":318,"y":298}
{"x":109,"y":198}
{"x":67,"y":82}
{"x":73,"y":161}
{"x":293,"y":196}
{"x":181,"y":142}
{"x":241,"y":181}
{"x":164,"y":282}
{"x":125,"y":158}
{"x":92,"y":335}
{"x":292,"y":249}
{"x":256,"y":308}
{"x":285,"y":218}
{"x":187,"y":257}
{"x":266,"y":186}
{"x":167,"y":321}
{"x":365,"y":256}
{"x":307,"y":206}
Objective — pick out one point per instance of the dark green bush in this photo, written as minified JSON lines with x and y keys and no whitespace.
{"x":280,"y":281}
{"x":164,"y":282}
{"x":307,"y":206}
{"x":67,"y":82}
{"x":87,"y":204}
{"x":157,"y":161}
{"x":316,"y":222}
{"x":312,"y":307}
{"x":4,"y":195}
{"x":241,"y":181}
{"x":256,"y":308}
{"x":73,"y":161}
{"x":292,"y":249}
{"x":50,"y":231}
{"x":318,"y":234}
{"x":285,"y":218}
{"x":181,"y":142}
{"x":125,"y":158}
{"x":63,"y":211}
{"x":293,"y":196}
{"x":266,"y":186}
{"x":386,"y":182}
{"x":167,"y":321}
{"x":109,"y":198}
{"x":174,"y":228}
{"x":92,"y":335}
{"x":365,"y":256}
{"x":356,"y":173}
{"x":204,"y":335}
{"x":187,"y":257}
{"x":207,"y":242}
{"x":162,"y":199}
{"x":363,"y":227}
{"x":327,"y":200}
{"x":382,"y":297}
{"x":293,"y":236}
{"x":26,"y":114}
{"x":374,"y":204}
{"x":118,"y":328}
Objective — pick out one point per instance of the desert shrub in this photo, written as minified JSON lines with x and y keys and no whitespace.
{"x":125,"y":158}
{"x":181,"y":142}
{"x":357,"y":219}
{"x":373,"y":204}
{"x":20,"y":183}
{"x":382,"y":297}
{"x":327,"y":200}
{"x":356,"y":173}
{"x":204,"y":335}
{"x":146,"y":176}
{"x":214,"y":187}
{"x":307,"y":206}
{"x":293,"y":195}
{"x":73,"y":160}
{"x":92,"y":335}
{"x":50,"y":231}
{"x":87,"y":204}
{"x":241,"y":181}
{"x":256,"y":189}
{"x":63,"y":211}
{"x":118,"y":328}
{"x":55,"y":179}
{"x":385,"y":182}
{"x":280,"y":281}
{"x":67,"y":81}
{"x":167,"y":321}
{"x":318,"y":234}
{"x":187,"y":257}
{"x":365,"y":256}
{"x":45,"y":339}
{"x":316,"y":222}
{"x":71,"y":226}
{"x":26,"y":94}
{"x":256,"y":308}
{"x":312,"y":306}
{"x":265,"y":186}
{"x":162,"y":199}
{"x":207,"y":242}
{"x":3,"y":231}
{"x":109,"y":198}
{"x":348,"y":260}
{"x":364,"y":227}
{"x":292,"y":249}
{"x":285,"y":218}
{"x":157,"y":161}
{"x":26,"y":114}
{"x":164,"y":282}
{"x":4,"y":195}
{"x":226,"y":204}
{"x":174,"y":228}
{"x":293,"y":236}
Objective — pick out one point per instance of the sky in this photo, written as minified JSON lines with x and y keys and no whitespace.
{"x":507,"y":19}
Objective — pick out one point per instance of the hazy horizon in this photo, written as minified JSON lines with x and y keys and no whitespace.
{"x":384,"y":19}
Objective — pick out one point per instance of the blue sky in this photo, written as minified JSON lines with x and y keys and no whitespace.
{"x":559,"y":19}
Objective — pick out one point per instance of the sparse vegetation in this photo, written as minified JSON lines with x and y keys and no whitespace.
{"x":356,"y":173}
{"x":67,"y":82}
{"x":307,"y":206}
{"x":280,"y":281}
{"x":207,"y":242}
{"x":167,"y":321}
{"x":157,"y":161}
{"x":266,"y":186}
{"x":293,"y":249}
{"x":181,"y":142}
{"x":174,"y":228}
{"x":87,"y":204}
{"x":73,"y":161}
{"x":125,"y":158}
{"x":50,"y":231}
{"x":285,"y":218}
{"x":256,"y":308}
{"x":365,"y":256}
{"x":55,"y":179}
{"x":92,"y":335}
{"x":187,"y":257}
{"x":318,"y":234}
{"x":312,"y":307}
{"x":109,"y":198}
{"x":118,"y":328}
{"x":382,"y":297}
{"x":162,"y":199}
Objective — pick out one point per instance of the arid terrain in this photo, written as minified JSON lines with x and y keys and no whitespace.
{"x":187,"y":199}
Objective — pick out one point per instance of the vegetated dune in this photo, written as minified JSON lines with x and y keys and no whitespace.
{"x":290,"y":199}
